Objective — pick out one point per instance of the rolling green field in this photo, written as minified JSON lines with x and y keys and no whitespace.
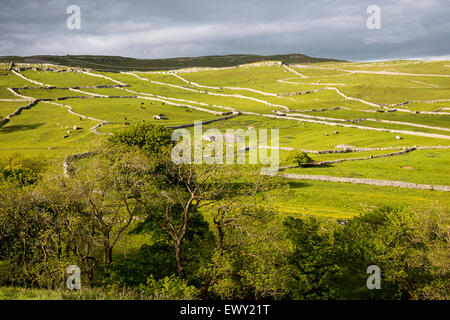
{"x":321,"y":105}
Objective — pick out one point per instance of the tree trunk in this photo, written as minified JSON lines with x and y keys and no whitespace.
{"x":220,"y":235}
{"x":179,"y":259}
{"x":107,"y":254}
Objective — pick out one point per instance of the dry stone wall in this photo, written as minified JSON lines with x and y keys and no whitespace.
{"x":375,"y":182}
{"x":414,"y":133}
{"x":18,"y":112}
{"x":234,"y":115}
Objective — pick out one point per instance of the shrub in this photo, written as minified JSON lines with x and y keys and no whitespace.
{"x":170,"y":288}
{"x":300,"y":158}
{"x":23,"y":176}
{"x":148,"y":137}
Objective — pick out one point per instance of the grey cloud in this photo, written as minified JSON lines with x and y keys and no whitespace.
{"x":170,"y":28}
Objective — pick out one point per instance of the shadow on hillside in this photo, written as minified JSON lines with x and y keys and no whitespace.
{"x":296,"y":184}
{"x":327,"y":165}
{"x":14,"y":128}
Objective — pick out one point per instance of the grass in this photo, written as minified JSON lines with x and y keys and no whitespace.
{"x":15,"y":293}
{"x":6,"y":108}
{"x":48,"y":93}
{"x":65,"y":79}
{"x":260,"y":78}
{"x":135,"y":111}
{"x":345,"y":200}
{"x":42,"y":127}
{"x":420,"y":166}
{"x":304,"y":135}
{"x":424,"y":119}
{"x":405,"y":66}
{"x":114,"y":63}
{"x":10,"y":80}
{"x":38,"y":132}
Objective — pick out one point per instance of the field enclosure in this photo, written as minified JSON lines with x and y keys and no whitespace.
{"x":353,"y":119}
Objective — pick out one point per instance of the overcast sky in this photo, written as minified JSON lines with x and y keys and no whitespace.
{"x":175,"y":28}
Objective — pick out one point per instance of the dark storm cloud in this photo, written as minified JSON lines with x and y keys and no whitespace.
{"x":170,"y":28}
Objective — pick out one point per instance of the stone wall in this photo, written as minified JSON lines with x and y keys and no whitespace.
{"x":17,"y":112}
{"x":375,"y":182}
{"x":67,"y":163}
{"x":367,"y":158}
{"x":77,"y":87}
{"x":415,"y":133}
{"x":235,"y":114}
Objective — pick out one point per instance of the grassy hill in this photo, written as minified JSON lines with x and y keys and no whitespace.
{"x":115,"y":63}
{"x":321,"y":105}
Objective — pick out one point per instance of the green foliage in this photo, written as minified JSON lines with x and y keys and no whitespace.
{"x":332,"y":264}
{"x":18,"y":169}
{"x":23,"y":176}
{"x":115,"y":64}
{"x":170,"y":288}
{"x":149,"y":137}
{"x":237,"y":245}
{"x":300,"y":158}
{"x":310,"y":258}
{"x":39,"y":234}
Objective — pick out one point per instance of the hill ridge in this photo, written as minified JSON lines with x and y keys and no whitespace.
{"x":118,"y":63}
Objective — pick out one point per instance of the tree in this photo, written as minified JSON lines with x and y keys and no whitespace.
{"x":300,"y":158}
{"x":433,"y":254}
{"x":311,"y":258}
{"x":171,"y":204}
{"x":411,"y":254}
{"x":148,"y":137}
{"x":249,"y":250}
{"x":18,"y":169}
{"x":108,"y":185}
{"x":39,"y":234}
{"x":168,"y":193}
{"x":22,"y":176}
